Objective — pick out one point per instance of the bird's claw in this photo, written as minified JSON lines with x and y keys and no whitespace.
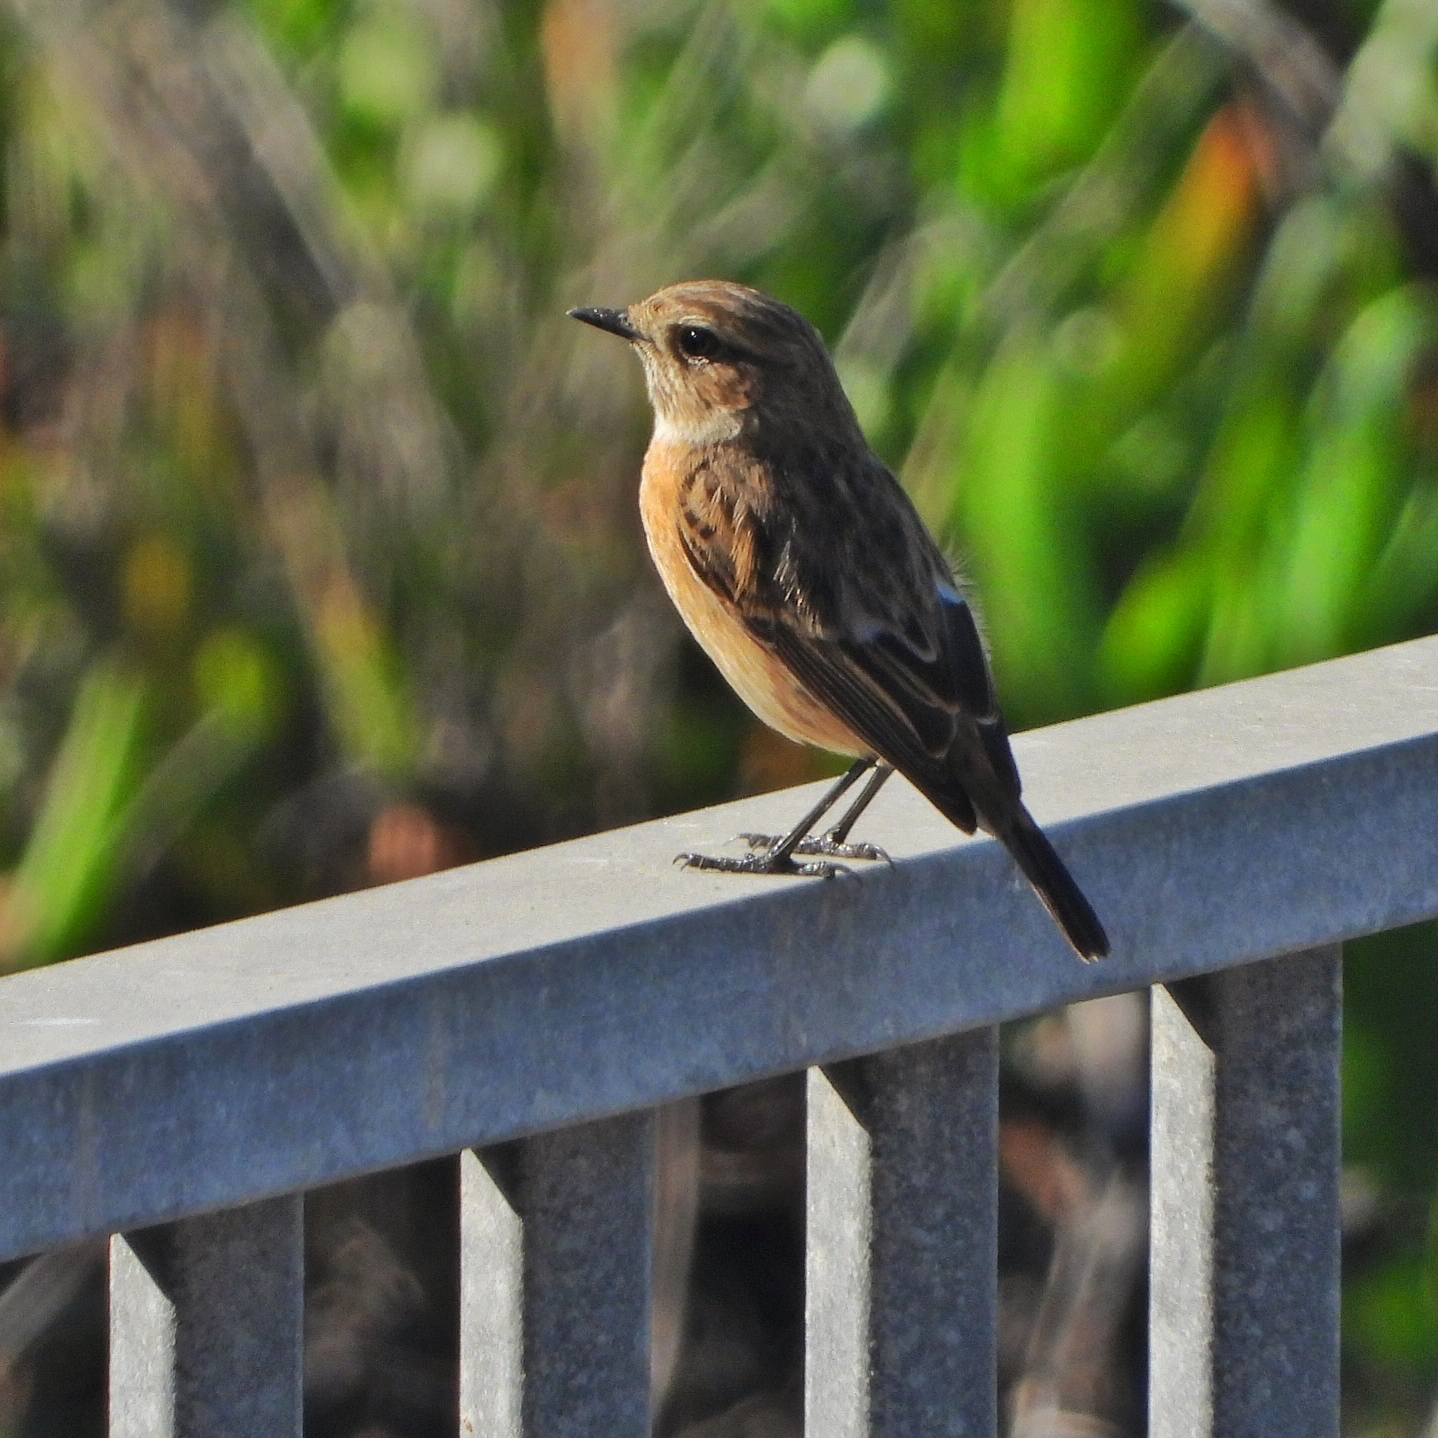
{"x":825,"y":845}
{"x":761,"y":863}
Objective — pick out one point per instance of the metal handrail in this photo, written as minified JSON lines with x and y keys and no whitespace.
{"x":587,"y":983}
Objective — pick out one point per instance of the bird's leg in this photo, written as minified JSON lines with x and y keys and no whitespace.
{"x":839,"y":834}
{"x":834,"y":844}
{"x":776,"y":855}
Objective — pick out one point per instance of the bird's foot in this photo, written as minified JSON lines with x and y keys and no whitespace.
{"x":763,"y":862}
{"x":824,"y":844}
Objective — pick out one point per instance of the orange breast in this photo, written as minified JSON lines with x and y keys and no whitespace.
{"x":759,"y":678}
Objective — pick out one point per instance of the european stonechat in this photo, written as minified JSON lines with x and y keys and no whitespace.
{"x":803,"y":569}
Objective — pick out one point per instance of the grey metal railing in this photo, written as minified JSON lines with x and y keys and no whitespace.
{"x":183,"y":1094}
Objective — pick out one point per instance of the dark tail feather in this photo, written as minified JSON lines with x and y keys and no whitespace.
{"x":1054,"y":884}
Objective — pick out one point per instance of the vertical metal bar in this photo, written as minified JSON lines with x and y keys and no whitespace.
{"x":491,"y":1295}
{"x":1243,"y":1318}
{"x":206,"y":1325}
{"x":838,"y":1245}
{"x":554,"y":1342}
{"x":142,"y":1342}
{"x":902,"y":1243}
{"x":676,"y":1220}
{"x":1183,"y":1129}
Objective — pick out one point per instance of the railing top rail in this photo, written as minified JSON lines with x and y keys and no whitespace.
{"x":545,"y":988}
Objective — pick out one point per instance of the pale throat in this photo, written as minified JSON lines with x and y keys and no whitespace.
{"x":711,"y":426}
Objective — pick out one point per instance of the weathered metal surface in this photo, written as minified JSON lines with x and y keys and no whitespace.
{"x":206,"y":1325}
{"x":1244,"y":1233}
{"x":902,"y":1243}
{"x":591,"y":978}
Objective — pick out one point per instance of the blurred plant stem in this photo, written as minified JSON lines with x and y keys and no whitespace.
{"x":68,"y":867}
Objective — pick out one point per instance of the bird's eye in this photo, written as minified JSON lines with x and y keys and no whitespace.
{"x":695,"y":342}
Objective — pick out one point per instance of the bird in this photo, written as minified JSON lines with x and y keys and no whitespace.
{"x":802,"y":568}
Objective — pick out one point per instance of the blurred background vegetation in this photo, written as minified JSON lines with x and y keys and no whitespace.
{"x":319,"y":559}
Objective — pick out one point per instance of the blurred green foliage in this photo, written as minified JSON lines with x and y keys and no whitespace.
{"x":318,"y":559}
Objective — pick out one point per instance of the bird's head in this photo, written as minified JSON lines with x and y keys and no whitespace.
{"x":722,"y":360}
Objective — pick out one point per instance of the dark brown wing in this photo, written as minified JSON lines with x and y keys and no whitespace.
{"x":914,"y":706}
{"x":843,"y":583}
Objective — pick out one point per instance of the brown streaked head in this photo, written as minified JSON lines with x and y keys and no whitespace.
{"x":721,"y":360}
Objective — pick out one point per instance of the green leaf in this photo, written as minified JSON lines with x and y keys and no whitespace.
{"x":1012,"y":510}
{"x":66,"y":872}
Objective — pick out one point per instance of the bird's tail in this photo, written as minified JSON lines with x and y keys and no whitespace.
{"x":1053,"y":883}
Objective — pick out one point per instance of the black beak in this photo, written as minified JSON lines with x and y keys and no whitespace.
{"x":615,"y":321}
